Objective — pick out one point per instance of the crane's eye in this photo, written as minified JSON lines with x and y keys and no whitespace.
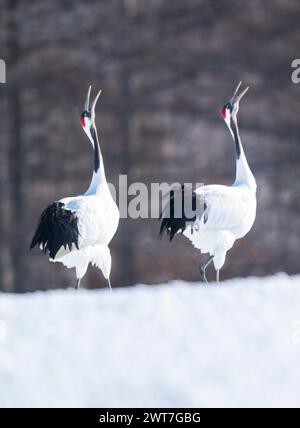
{"x":85,"y":115}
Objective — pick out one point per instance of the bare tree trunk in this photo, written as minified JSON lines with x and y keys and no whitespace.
{"x":2,"y":220}
{"x":126,"y":115}
{"x":17,"y":153}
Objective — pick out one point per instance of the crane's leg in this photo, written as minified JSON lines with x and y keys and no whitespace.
{"x":77,"y":284}
{"x":218,"y":276}
{"x":203,"y":267}
{"x":108,"y":284}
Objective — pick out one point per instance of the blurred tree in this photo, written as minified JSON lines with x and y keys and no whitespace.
{"x":165,"y":67}
{"x":17,"y":157}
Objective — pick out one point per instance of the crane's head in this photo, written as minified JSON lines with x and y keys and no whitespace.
{"x":231,"y":108}
{"x":87,"y":118}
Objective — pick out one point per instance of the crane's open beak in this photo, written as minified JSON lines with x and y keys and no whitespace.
{"x":91,"y":107}
{"x":87,"y":101}
{"x":236,"y":98}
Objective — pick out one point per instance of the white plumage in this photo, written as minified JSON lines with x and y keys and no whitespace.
{"x":98,"y":219}
{"x":77,"y":230}
{"x":230,"y":215}
{"x":229,"y":211}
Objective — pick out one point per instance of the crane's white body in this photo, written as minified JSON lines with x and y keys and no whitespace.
{"x":230,"y":212}
{"x":98,"y":219}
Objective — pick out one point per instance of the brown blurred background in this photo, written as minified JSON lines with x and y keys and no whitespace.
{"x":165,"y":68}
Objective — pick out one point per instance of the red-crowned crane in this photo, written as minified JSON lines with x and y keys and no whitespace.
{"x":77,"y":230}
{"x":228,"y":212}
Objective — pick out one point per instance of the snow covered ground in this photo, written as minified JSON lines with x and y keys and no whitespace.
{"x":237,"y":344}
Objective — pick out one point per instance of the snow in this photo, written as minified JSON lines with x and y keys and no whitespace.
{"x":178,"y":344}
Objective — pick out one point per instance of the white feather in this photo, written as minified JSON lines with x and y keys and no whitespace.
{"x":98,"y":219}
{"x":230,"y":215}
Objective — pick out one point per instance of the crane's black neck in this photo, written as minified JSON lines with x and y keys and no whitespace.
{"x":243,"y":174}
{"x":98,"y":181}
{"x":96,"y":149}
{"x":236,"y":137}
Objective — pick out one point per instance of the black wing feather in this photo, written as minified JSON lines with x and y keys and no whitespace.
{"x":172,"y":224}
{"x":57,"y":227}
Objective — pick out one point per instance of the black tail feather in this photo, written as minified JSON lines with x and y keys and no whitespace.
{"x":172,"y":224}
{"x":57,"y":227}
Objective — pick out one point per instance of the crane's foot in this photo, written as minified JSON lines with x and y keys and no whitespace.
{"x":202,"y":275}
{"x":108,"y":284}
{"x":77,"y":284}
{"x":203,"y":268}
